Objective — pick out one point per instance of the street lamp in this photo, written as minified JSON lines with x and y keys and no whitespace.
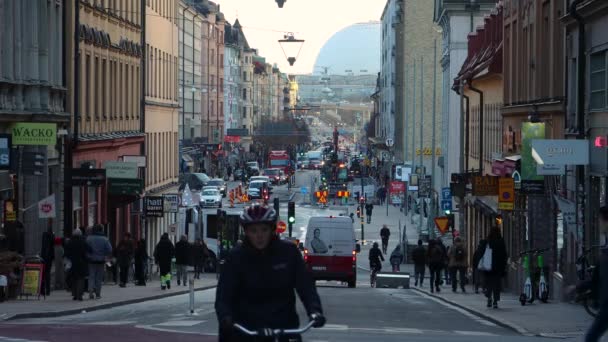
{"x":293,"y":47}
{"x":281,"y":3}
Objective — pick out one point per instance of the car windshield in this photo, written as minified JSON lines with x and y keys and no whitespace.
{"x":256,"y":185}
{"x":216,"y":182}
{"x":210,"y":192}
{"x":271,"y":172}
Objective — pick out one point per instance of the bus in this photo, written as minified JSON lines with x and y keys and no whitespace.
{"x":280,"y":160}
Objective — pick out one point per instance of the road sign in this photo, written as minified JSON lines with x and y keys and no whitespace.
{"x":389,"y":142}
{"x":281,"y":227}
{"x":303,"y":190}
{"x":442,"y":224}
{"x":446,"y":194}
{"x":506,"y":193}
{"x":446,"y":205}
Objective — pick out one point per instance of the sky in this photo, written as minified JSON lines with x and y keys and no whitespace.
{"x":315,"y":21}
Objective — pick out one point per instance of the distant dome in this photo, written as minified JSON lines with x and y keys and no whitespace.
{"x":356,"y":48}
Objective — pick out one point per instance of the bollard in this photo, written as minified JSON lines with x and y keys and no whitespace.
{"x":191,"y":285}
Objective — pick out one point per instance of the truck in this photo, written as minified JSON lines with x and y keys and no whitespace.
{"x":280,"y":160}
{"x":214,"y":235}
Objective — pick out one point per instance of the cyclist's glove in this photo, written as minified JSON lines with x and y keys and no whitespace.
{"x":318,"y":319}
{"x":227,"y":324}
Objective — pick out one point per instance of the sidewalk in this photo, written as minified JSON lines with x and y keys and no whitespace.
{"x":60,"y":302}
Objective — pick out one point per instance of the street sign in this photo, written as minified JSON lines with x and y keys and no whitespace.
{"x":446,"y":194}
{"x":171,"y":203}
{"x":446,"y":205}
{"x":389,"y":142}
{"x":281,"y":227}
{"x":425,"y":187}
{"x":442,"y":224}
{"x":485,"y":185}
{"x":119,"y":186}
{"x":122,"y":170}
{"x":506,"y":193}
{"x":517,"y":179}
{"x":303,"y":190}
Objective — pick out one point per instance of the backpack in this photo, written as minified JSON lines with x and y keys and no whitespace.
{"x":459,"y":253}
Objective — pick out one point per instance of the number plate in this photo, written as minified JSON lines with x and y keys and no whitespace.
{"x":319,"y":268}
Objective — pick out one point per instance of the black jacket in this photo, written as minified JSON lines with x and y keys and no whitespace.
{"x":375,"y":255}
{"x":47,"y":252}
{"x":419,"y":256}
{"x":256,"y":288}
{"x":76,"y":251}
{"x":385,"y":233}
{"x":499,"y":256}
{"x":182,"y":253}
{"x":200,"y":254}
{"x":163,"y":254}
{"x":603,"y":266}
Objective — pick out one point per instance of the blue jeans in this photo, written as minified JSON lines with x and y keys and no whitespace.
{"x":599,"y":326}
{"x":96,"y":272}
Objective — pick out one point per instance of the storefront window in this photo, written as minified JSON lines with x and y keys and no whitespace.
{"x":76,"y":207}
{"x":92,"y":206}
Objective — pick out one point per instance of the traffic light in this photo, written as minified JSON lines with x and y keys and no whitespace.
{"x":291,"y":212}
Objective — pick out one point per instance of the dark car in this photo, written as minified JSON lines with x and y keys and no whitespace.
{"x":220,"y":184}
{"x":195,"y":181}
{"x":273,"y":174}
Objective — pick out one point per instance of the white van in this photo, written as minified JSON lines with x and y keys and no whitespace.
{"x":330,"y":249}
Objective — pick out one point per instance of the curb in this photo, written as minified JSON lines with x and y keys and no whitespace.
{"x":505,"y":324}
{"x":100,"y":307}
{"x":292,"y":196}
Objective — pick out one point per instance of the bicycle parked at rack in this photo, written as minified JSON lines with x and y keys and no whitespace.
{"x":541,"y":286}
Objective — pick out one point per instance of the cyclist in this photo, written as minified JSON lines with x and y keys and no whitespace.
{"x":385,"y":233}
{"x":600,"y":324}
{"x":257,"y":282}
{"x":375,"y":258}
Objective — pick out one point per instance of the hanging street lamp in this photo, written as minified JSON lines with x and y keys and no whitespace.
{"x":281,"y":3}
{"x":291,"y":47}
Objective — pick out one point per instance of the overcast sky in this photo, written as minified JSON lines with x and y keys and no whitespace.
{"x":312,"y":20}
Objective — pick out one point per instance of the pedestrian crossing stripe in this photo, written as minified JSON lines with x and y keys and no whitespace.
{"x":400,"y":330}
{"x":178,"y":323}
{"x":13,"y":339}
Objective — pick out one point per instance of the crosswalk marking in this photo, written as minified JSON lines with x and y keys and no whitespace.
{"x":473,"y":333}
{"x":179,"y":323}
{"x":110,"y":323}
{"x":12,"y":339}
{"x":399,"y":330}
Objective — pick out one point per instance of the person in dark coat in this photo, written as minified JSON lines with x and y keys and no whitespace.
{"x":182,"y":260}
{"x":162,"y":256}
{"x":258,"y":283}
{"x":369,"y":208}
{"x":47,"y":253}
{"x":436,"y":260}
{"x":477,"y":274}
{"x":76,"y":252}
{"x":200,"y":253}
{"x":493,"y":278}
{"x":419,"y":258}
{"x":141,"y":260}
{"x":124,"y":256}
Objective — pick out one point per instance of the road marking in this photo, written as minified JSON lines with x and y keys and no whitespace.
{"x":455,"y":308}
{"x":12,"y":339}
{"x":179,"y":323}
{"x":335,"y":327}
{"x":109,"y":323}
{"x":474,"y":333}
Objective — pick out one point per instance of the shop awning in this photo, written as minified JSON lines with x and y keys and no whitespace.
{"x":488,"y":204}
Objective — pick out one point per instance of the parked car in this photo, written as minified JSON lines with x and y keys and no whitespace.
{"x":221,"y":185}
{"x":211,"y":198}
{"x":195,"y":181}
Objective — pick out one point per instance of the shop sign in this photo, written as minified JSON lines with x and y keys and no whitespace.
{"x":532,"y":187}
{"x":30,"y":133}
{"x":47,"y":207}
{"x":506,"y":193}
{"x":397,"y":192}
{"x":485,"y":185}
{"x":425,"y":187}
{"x":139,"y":160}
{"x":153,"y":206}
{"x":5,"y":151}
{"x":88,"y":177}
{"x":124,"y":170}
{"x":551,"y":170}
{"x":241,"y":132}
{"x":10,"y":211}
{"x":232,"y":138}
{"x":560,"y":151}
{"x":171,"y":203}
{"x":125,"y":186}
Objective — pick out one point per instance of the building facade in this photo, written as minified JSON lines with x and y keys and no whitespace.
{"x":457,"y":18}
{"x":32,"y":93}
{"x":232,"y":78}
{"x":162,"y":108}
{"x":107,"y":114}
{"x":388,"y":73}
{"x":213,"y":73}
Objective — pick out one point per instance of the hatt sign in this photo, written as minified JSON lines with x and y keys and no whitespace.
{"x":154,"y":206}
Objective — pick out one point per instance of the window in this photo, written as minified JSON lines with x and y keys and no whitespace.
{"x":244,"y":112}
{"x":104,"y":91}
{"x":245,"y":76}
{"x":92,"y":209}
{"x":221,"y":60}
{"x":212,"y":57}
{"x":597,"y":81}
{"x":244,"y":94}
{"x":88,"y":86}
{"x":96,"y":80}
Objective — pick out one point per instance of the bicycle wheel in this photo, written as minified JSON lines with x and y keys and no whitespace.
{"x":591,"y":306}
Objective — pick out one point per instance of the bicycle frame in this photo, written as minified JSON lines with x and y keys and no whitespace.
{"x":543,"y":290}
{"x":528,"y":282}
{"x":276,"y":333}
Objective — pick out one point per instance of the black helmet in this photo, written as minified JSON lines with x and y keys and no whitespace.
{"x":375,"y":245}
{"x":258,"y":213}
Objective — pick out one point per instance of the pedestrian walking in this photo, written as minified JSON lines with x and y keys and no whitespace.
{"x":600,"y":324}
{"x":47,"y":253}
{"x":141,"y":262}
{"x":124,"y":257}
{"x":477,"y":274}
{"x":182,"y":258}
{"x":436,"y":259}
{"x":385,"y":234}
{"x":446,"y":260}
{"x":498,"y":254}
{"x":458,"y":264}
{"x":76,"y":252}
{"x":369,"y":208}
{"x":162,"y":257}
{"x":396,"y":258}
{"x":419,"y":257}
{"x":200,"y":254}
{"x":99,"y":250}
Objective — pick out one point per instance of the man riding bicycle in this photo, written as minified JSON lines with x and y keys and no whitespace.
{"x":375,"y":261}
{"x":257,"y":282}
{"x":385,"y":233}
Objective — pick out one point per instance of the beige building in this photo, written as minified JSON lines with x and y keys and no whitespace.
{"x":213,"y":74}
{"x":162,"y":110}
{"x":108,"y":121}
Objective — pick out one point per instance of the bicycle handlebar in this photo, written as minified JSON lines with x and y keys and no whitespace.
{"x":275,"y":332}
{"x":535,"y":251}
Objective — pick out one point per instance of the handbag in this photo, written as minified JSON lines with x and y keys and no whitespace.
{"x":485,"y":264}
